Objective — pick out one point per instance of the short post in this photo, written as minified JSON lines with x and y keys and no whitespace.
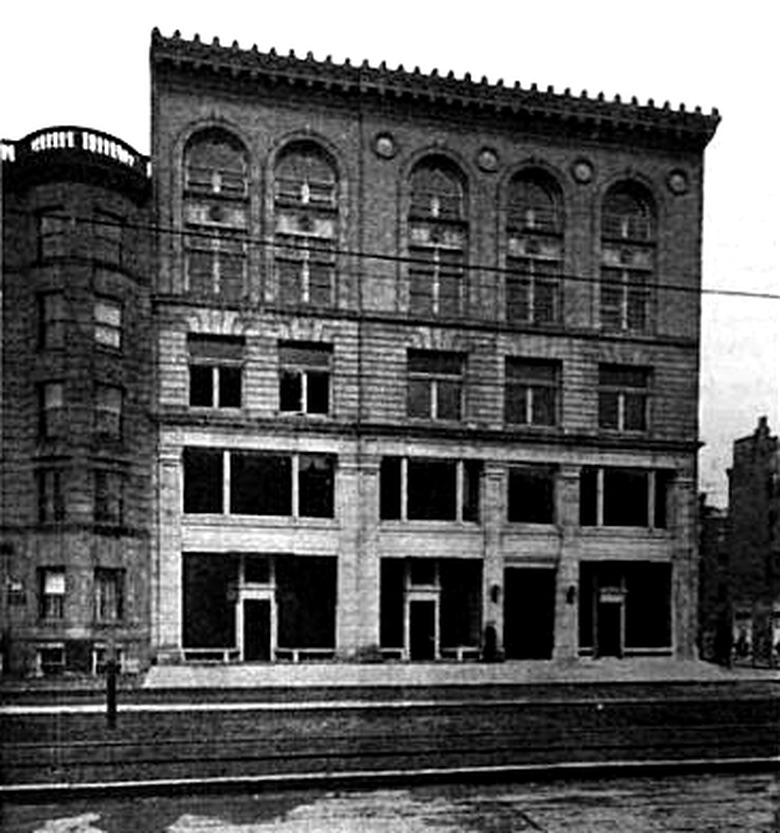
{"x":112,"y":667}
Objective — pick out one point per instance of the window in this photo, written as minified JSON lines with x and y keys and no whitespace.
{"x":51,"y":583}
{"x":437,"y":239}
{"x":50,"y":659}
{"x":534,"y":250}
{"x":100,"y":657}
{"x":623,"y":397}
{"x":627,"y":260}
{"x":304,"y":377}
{"x":306,"y":225}
{"x":108,"y":323}
{"x":531,"y":495}
{"x":51,"y":497}
{"x":259,"y":483}
{"x":615,"y":496}
{"x":203,"y":476}
{"x":52,"y":421}
{"x":532,"y":391}
{"x":51,"y":320}
{"x":216,"y":211}
{"x":215,"y":371}
{"x":109,"y":595}
{"x":108,"y":411}
{"x":429,"y":489}
{"x":53,"y":229}
{"x":107,"y":230}
{"x":435,"y":385}
{"x":109,"y":497}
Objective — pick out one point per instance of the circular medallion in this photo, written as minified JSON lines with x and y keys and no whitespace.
{"x":677,"y":181}
{"x":582,"y":171}
{"x":487,"y":160}
{"x":384,"y":146}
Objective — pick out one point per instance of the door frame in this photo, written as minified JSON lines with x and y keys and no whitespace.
{"x":609,"y":595}
{"x":256,"y":594}
{"x":421,"y":596}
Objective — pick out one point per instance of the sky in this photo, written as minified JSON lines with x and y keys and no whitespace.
{"x":86,"y":63}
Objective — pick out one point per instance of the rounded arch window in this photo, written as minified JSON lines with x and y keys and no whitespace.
{"x":628,"y":213}
{"x":534,"y":202}
{"x":305,"y":175}
{"x":216,"y":163}
{"x":437,"y":190}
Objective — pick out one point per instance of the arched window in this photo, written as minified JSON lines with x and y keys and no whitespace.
{"x":438,"y":234}
{"x":627,"y":259}
{"x":534,"y":232}
{"x":306,"y":225}
{"x":216,"y":211}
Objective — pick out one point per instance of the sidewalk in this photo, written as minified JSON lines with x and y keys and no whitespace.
{"x":645,"y":670}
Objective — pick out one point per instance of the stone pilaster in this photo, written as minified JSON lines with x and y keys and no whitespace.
{"x":567,"y":576}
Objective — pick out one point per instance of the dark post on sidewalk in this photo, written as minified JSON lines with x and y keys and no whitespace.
{"x":112,"y":667}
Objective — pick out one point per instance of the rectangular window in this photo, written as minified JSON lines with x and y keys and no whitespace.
{"x":109,"y":497}
{"x":435,"y":281}
{"x":532,"y":391}
{"x":51,"y":410}
{"x":531,"y":495}
{"x":533,"y":284}
{"x":109,"y":587}
{"x":108,"y":323}
{"x":108,"y":410}
{"x":203,"y":476}
{"x":623,"y":397}
{"x":306,"y":268}
{"x":51,"y":584}
{"x":435,"y":385}
{"x":107,"y":230}
{"x":429,"y":489}
{"x":51,"y":320}
{"x":304,"y":377}
{"x":260,"y":484}
{"x":618,"y":497}
{"x":53,"y":229}
{"x":315,"y":485}
{"x":215,"y":262}
{"x":51,"y":497}
{"x":215,"y":371}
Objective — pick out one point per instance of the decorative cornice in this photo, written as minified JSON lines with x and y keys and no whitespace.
{"x":694,"y":126}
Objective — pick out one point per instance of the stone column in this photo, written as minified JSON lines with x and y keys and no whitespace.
{"x":684,"y":569}
{"x":492,"y":513}
{"x":348,"y":592}
{"x":566,"y":642}
{"x":167,"y":574}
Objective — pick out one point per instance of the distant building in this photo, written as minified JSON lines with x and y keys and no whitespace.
{"x":375,"y":364}
{"x":715,"y":619}
{"x":754,"y":544}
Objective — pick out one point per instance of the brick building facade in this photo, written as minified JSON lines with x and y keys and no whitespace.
{"x":425,"y":365}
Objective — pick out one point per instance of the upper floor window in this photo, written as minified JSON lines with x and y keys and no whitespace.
{"x":108,"y":323}
{"x":438,"y":235}
{"x":215,"y":364}
{"x":428,"y":489}
{"x":532,"y":391}
{"x":109,"y":585}
{"x":108,"y":410}
{"x":51,"y":495}
{"x":627,"y":259}
{"x":53,"y":230}
{"x":305,"y":225}
{"x":435,"y":384}
{"x":534,"y":254}
{"x":51,"y":410}
{"x":304,"y":377}
{"x":51,"y":592}
{"x":623,"y":397}
{"x":51,"y":320}
{"x":531,"y":494}
{"x":216,"y":212}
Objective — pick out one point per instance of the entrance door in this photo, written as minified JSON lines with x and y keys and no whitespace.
{"x":529,"y":613}
{"x":422,"y":630}
{"x":257,"y":630}
{"x":609,"y":629}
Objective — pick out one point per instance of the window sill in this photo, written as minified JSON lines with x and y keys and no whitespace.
{"x":625,"y":532}
{"x":276,"y":521}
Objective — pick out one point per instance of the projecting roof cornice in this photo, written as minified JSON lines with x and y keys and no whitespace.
{"x":692,"y":127}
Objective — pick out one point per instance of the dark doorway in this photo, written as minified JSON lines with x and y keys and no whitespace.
{"x":529,"y":613}
{"x":609,"y":642}
{"x":422,"y":630}
{"x":257,"y":630}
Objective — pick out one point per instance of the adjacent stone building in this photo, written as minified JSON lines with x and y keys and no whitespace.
{"x":415,"y":368}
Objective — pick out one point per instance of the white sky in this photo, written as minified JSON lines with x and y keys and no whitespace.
{"x":86,"y":63}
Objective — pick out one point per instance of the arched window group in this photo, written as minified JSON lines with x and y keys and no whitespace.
{"x":304,"y":200}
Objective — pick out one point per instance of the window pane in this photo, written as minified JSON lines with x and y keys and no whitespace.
{"x":433,"y":362}
{"x":201,"y":386}
{"x":431,"y":489}
{"x":215,"y":347}
{"x":625,"y":497}
{"x":419,"y":402}
{"x":609,"y":409}
{"x":588,"y":496}
{"x":315,"y":484}
{"x":544,"y":408}
{"x":622,"y":376}
{"x":518,"y":298}
{"x":390,"y":488}
{"x":318,"y":392}
{"x":202,"y":480}
{"x":260,"y":484}
{"x":472,"y":475}
{"x":532,"y":495}
{"x":635,"y":410}
{"x":516,"y":404}
{"x":290,"y":281}
{"x":307,"y":355}
{"x":448,"y":398}
{"x":230,"y":387}
{"x":663,"y":495}
{"x":291,"y":391}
